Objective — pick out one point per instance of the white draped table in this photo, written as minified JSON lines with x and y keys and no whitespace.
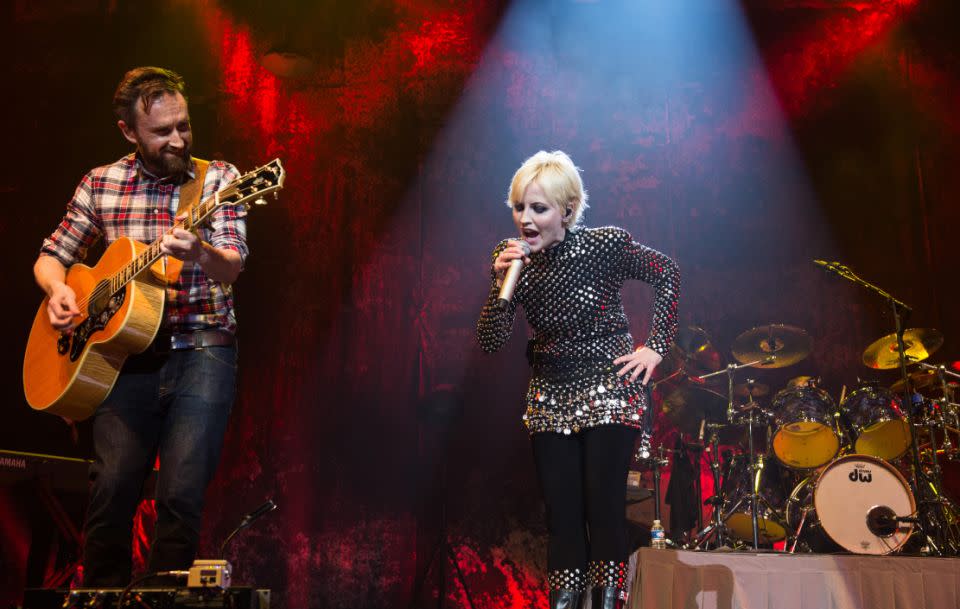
{"x":670,"y":579}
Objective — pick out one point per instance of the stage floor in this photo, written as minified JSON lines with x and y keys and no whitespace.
{"x":670,"y":579}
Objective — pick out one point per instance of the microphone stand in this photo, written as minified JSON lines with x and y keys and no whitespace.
{"x":900,"y":312}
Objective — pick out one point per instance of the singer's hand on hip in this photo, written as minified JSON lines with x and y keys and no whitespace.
{"x":513,"y":251}
{"x":643,"y":360}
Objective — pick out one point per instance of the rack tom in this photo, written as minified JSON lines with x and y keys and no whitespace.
{"x":880,"y":427}
{"x":806,"y":436}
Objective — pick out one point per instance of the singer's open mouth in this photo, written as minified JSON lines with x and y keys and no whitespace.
{"x":530,"y":233}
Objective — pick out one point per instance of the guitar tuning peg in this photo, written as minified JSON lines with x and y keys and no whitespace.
{"x":260,"y":201}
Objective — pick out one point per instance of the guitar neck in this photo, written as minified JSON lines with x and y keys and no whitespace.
{"x":195,"y":215}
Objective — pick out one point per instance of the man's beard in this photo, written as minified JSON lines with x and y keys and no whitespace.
{"x":168,"y":163}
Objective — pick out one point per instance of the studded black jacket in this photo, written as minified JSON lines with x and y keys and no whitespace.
{"x":570,"y":294}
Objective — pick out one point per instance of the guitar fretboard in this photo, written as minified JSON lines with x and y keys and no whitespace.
{"x":195,"y":215}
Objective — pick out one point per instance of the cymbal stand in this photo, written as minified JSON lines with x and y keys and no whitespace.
{"x":942,"y":374}
{"x":921,"y":485}
{"x":717,"y":528}
{"x":731,"y":410}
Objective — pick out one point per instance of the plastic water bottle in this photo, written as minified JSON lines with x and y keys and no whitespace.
{"x":658,"y":539}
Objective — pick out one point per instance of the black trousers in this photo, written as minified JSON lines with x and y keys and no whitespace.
{"x":583,"y":478}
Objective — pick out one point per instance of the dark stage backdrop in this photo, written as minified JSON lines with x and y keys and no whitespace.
{"x":400,"y":123}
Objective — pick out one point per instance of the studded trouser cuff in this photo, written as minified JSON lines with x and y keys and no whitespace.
{"x":609,"y":573}
{"x":567,"y":579}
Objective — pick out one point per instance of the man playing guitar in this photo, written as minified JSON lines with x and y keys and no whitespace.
{"x":174,"y":399}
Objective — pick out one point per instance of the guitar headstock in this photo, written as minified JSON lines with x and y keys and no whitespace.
{"x":253,"y":186}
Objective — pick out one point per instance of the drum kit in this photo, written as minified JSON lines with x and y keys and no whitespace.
{"x":876,"y":471}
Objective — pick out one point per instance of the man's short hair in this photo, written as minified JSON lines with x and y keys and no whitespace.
{"x":146,"y":85}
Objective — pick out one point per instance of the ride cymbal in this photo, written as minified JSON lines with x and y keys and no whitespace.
{"x":775,"y":345}
{"x":918,"y":343}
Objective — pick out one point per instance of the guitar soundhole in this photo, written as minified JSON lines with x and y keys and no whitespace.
{"x":101,"y":311}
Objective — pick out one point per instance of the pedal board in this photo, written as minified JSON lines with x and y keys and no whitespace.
{"x":155,"y":598}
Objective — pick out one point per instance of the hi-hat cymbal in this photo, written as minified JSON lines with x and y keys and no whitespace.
{"x":918,"y":343}
{"x":757,"y":390}
{"x":776,"y":345}
{"x":689,"y":404}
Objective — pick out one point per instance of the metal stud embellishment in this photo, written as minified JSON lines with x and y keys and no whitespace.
{"x":567,"y":579}
{"x":609,"y":573}
{"x":574,"y":307}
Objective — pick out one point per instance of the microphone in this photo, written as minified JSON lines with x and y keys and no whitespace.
{"x":510,"y":279}
{"x":703,"y":422}
{"x":266,"y":508}
{"x":884,"y":522}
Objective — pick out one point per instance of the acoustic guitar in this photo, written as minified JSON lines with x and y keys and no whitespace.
{"x":121,"y":302}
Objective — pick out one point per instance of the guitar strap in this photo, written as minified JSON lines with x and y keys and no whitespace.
{"x":190,"y":192}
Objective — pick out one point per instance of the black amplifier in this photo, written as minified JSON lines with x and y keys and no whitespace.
{"x":155,"y":598}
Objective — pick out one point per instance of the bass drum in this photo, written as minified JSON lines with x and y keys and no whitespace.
{"x":847,"y":506}
{"x":805,"y":436}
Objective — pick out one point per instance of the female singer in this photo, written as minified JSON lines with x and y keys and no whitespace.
{"x":586,"y":395}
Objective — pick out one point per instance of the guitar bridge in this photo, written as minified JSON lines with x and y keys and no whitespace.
{"x":97,"y":321}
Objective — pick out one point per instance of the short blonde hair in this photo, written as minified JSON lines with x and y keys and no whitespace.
{"x":560,"y":180}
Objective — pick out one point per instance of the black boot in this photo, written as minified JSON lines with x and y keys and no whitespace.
{"x":565,"y":599}
{"x":606,"y":597}
{"x":609,"y":581}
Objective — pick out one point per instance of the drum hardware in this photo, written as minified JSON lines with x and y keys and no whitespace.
{"x":717,"y":529}
{"x":774,"y":340}
{"x":764,"y":488}
{"x":894,"y":351}
{"x":787,"y":345}
{"x":636,"y":494}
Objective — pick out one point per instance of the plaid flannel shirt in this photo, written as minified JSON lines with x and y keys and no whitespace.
{"x":125,"y":200}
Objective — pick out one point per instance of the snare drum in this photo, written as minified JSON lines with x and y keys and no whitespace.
{"x":849,"y":506}
{"x":805,"y":436}
{"x":879,"y":425}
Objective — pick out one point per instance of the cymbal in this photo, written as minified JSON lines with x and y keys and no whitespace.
{"x":786,"y":345}
{"x":922,"y":381}
{"x":803,"y":381}
{"x":698,"y":355}
{"x":919,"y":344}
{"x":689,"y":404}
{"x":757,"y":390}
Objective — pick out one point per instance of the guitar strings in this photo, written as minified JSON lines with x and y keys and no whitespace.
{"x":104,"y":288}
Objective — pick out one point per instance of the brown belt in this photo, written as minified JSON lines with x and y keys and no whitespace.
{"x":198,"y":339}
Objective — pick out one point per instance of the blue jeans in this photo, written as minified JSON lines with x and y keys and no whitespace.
{"x":175,"y":405}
